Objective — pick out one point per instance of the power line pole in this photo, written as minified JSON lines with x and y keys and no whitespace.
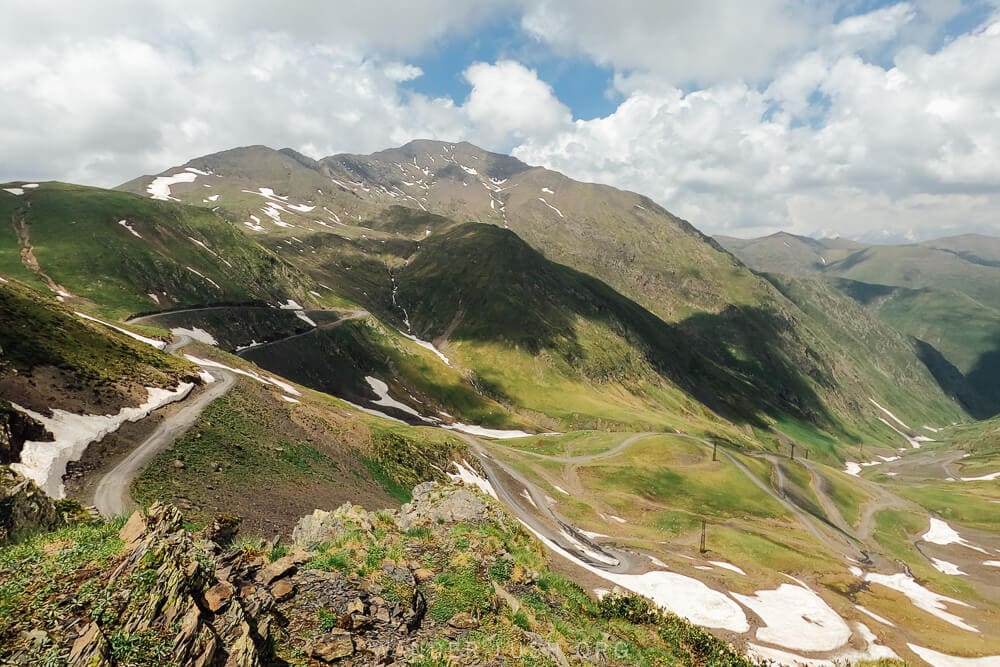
{"x":793,"y":451}
{"x":715,"y":450}
{"x":703,"y":549}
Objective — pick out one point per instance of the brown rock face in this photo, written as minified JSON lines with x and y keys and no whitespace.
{"x":218,"y":596}
{"x":24,"y":507}
{"x":333,"y":646}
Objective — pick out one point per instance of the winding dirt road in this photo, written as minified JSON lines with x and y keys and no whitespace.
{"x":111,"y":495}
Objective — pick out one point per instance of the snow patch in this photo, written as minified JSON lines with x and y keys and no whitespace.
{"x":274,"y":382}
{"x":925,"y":599}
{"x":984,"y":478}
{"x":305,"y":318}
{"x":943,"y":660}
{"x":428,"y":346}
{"x":289,"y":399}
{"x":852,"y":468}
{"x":684,"y":596}
{"x":15,"y":191}
{"x":195,"y":333}
{"x":560,"y":490}
{"x":198,"y":171}
{"x":547,"y":191}
{"x":468,"y":476}
{"x":381,"y":390}
{"x":158,"y":344}
{"x":482,"y":431}
{"x":155,"y":298}
{"x":727,"y":566}
{"x":797,"y":618}
{"x":946,"y":567}
{"x":542,"y":199}
{"x":45,"y":462}
{"x":872,"y":614}
{"x":212,"y":198}
{"x":204,"y":277}
{"x":290,"y":305}
{"x":124,"y":223}
{"x":941,"y":533}
{"x":159,"y":188}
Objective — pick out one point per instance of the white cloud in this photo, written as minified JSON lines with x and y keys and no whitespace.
{"x":678,"y":40}
{"x":799,"y":123}
{"x":911,"y":146}
{"x":509,"y":101}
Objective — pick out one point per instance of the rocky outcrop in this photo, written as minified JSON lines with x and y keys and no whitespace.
{"x":24,"y":508}
{"x":434,"y":504}
{"x":16,"y":428}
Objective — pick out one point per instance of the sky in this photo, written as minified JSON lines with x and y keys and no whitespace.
{"x":859,"y":118}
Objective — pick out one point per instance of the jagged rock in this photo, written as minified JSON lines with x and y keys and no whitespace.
{"x":434,"y":505}
{"x":24,"y":507}
{"x":223,"y":529}
{"x":356,"y":606}
{"x":282,"y":590}
{"x":316,"y":528}
{"x":90,"y":648}
{"x":276,"y":570}
{"x":400,"y":575}
{"x":218,"y":596}
{"x":423,"y":574}
{"x":332,"y":646}
{"x":16,"y":428}
{"x":463,"y":620}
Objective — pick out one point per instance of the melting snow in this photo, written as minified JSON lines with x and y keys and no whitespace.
{"x":852,"y":468}
{"x":894,"y":417}
{"x":381,"y":389}
{"x":45,"y":462}
{"x":942,"y":660}
{"x":155,"y":298}
{"x":984,"y":478}
{"x":204,"y":277}
{"x":14,"y":191}
{"x":290,"y":305}
{"x":30,"y":185}
{"x":923,"y":598}
{"x":198,"y":171}
{"x":941,"y":533}
{"x":158,"y":344}
{"x":682,"y":595}
{"x":195,"y":333}
{"x":305,"y":318}
{"x":289,"y":399}
{"x":560,"y":490}
{"x":547,"y":191}
{"x":946,"y":567}
{"x":208,"y":363}
{"x":991,"y":563}
{"x":797,"y":618}
{"x":301,"y":208}
{"x":485,"y":432}
{"x":159,"y":188}
{"x":212,"y":198}
{"x":727,"y":566}
{"x":878,"y":618}
{"x":542,"y":199}
{"x":428,"y":346}
{"x":467,"y":475}
{"x":124,"y":223}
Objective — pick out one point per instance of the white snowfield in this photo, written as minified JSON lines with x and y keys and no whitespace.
{"x":921,"y":597}
{"x":941,"y":660}
{"x":195,"y":333}
{"x":381,"y":390}
{"x":983,"y":478}
{"x":942,"y":533}
{"x":467,"y":475}
{"x":727,"y":566}
{"x":159,"y":188}
{"x":274,"y":382}
{"x":682,"y":595}
{"x":290,"y":304}
{"x":873,"y":651}
{"x":946,"y":567}
{"x":797,"y":618}
{"x":428,"y":346}
{"x":852,"y":468}
{"x":496,"y":433}
{"x":892,"y":416}
{"x":45,"y":462}
{"x":542,"y":199}
{"x":305,"y":318}
{"x":14,"y":191}
{"x":158,"y":344}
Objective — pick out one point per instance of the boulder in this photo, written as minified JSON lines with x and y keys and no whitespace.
{"x":434,"y":505}
{"x":332,"y":646}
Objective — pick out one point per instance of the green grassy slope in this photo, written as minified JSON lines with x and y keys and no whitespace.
{"x":77,"y":240}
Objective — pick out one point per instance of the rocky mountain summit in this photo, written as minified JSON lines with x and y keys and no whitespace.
{"x":448,"y":579}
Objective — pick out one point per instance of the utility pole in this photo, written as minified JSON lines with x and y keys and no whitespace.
{"x":793,"y":451}
{"x":715,"y":451}
{"x":807,"y":455}
{"x":703,"y":549}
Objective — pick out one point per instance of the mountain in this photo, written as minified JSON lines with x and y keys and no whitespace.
{"x":943,"y":293}
{"x":363,"y":225}
{"x":658,"y":415}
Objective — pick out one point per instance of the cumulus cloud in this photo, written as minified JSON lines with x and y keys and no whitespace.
{"x":744,"y":118}
{"x":509,"y":102}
